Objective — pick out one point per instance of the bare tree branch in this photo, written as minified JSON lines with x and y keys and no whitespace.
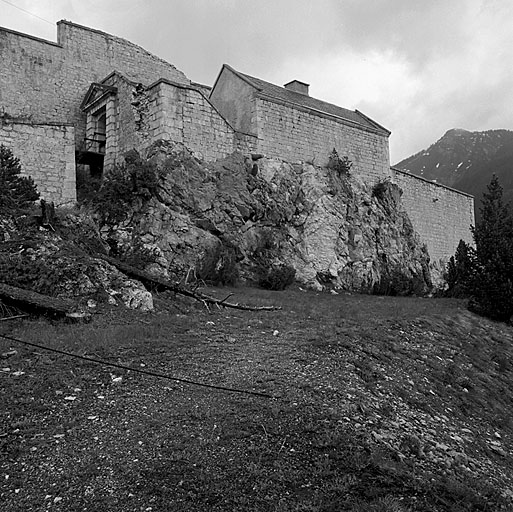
{"x":153,"y":282}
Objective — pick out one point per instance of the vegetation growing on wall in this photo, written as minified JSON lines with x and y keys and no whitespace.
{"x":341,"y":165}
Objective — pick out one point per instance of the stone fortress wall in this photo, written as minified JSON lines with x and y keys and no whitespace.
{"x":52,"y":154}
{"x":42,"y":85}
{"x":184,"y":114}
{"x":42,"y":82}
{"x":441,"y":215}
{"x":291,"y":134}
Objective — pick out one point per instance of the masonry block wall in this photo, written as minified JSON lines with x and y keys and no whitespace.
{"x":47,"y":153}
{"x":44,"y":81}
{"x":205,"y":131}
{"x":292,"y":134}
{"x":183,"y":114}
{"x":442,"y":216}
{"x":131,"y":125}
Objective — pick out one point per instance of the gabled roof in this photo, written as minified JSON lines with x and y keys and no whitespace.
{"x":95,"y":93}
{"x":278,"y":93}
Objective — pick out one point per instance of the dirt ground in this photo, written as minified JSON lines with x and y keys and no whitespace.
{"x":375,"y":403}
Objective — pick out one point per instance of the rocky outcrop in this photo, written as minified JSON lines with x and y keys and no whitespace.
{"x":59,"y":263}
{"x":333,"y":229}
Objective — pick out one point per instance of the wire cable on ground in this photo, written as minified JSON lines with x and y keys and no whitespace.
{"x":138,"y":370}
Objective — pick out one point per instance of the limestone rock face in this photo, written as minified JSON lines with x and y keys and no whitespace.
{"x":334,"y":230}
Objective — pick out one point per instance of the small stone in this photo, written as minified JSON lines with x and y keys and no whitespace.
{"x":498,"y":451}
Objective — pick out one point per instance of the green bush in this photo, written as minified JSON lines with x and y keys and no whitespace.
{"x":276,"y":277}
{"x":380,"y":189}
{"x":15,"y":191}
{"x":396,"y":283}
{"x":123,"y":185}
{"x":341,"y":166}
{"x":40,"y":275}
{"x":219,"y":266}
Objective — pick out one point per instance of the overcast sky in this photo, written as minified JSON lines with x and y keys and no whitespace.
{"x":418,"y":67}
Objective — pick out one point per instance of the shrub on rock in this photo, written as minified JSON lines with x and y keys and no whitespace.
{"x":276,"y":277}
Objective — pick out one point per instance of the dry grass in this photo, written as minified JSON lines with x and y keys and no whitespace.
{"x":390,"y":404}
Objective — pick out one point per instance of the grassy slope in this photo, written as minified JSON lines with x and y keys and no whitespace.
{"x":388,"y":404}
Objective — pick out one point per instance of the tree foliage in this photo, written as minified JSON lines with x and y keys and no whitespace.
{"x":491,"y":281}
{"x":461,"y":270}
{"x":15,"y":191}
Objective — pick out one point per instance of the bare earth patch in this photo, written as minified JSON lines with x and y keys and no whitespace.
{"x":389,"y":404}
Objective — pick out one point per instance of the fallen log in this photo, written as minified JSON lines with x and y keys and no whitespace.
{"x":153,"y":282}
{"x":20,"y":297}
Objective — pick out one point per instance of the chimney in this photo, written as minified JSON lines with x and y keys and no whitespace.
{"x":297,"y":86}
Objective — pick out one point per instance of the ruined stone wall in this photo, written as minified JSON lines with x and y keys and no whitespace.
{"x":184,"y":114}
{"x":43,"y":81}
{"x":442,"y":216}
{"x":47,"y":153}
{"x":293,"y":134}
{"x":205,"y":130}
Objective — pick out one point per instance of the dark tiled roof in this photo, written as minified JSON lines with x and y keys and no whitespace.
{"x":280,"y":93}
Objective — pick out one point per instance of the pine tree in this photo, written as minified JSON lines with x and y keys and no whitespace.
{"x":492,"y":285}
{"x":15,"y":191}
{"x":461,"y":270}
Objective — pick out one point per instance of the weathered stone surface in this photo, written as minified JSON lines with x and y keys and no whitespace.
{"x":330,"y":228}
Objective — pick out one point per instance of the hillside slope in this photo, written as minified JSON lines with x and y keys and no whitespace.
{"x":467,"y":161}
{"x":389,"y":405}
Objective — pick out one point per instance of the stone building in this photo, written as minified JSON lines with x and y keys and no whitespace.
{"x":289,"y":124}
{"x":81,"y":103}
